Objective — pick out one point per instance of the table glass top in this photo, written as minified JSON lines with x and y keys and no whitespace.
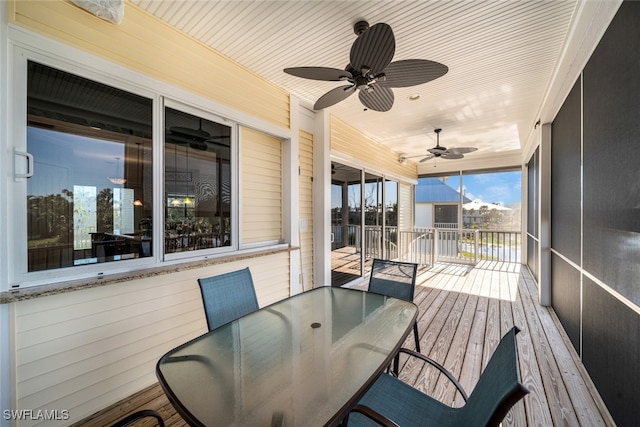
{"x":297,"y":362}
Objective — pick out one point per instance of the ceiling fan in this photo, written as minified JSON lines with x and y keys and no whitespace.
{"x":196,"y":138}
{"x":443,"y":152}
{"x":370,"y":70}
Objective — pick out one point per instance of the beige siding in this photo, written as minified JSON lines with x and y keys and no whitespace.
{"x":347,"y":140}
{"x":85,"y":350}
{"x":405,"y":204}
{"x":306,"y":207}
{"x":261,"y":180}
{"x":144,"y":43}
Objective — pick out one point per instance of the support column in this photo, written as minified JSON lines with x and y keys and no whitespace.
{"x":322,"y":199}
{"x":544,"y":226}
{"x":291,"y":198}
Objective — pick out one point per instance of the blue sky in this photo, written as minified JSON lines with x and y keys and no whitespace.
{"x":497,"y":187}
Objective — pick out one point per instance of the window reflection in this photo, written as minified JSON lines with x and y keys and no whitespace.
{"x":89,"y":142}
{"x":197,"y":183}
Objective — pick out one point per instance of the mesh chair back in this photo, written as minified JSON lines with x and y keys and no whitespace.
{"x":227,"y":297}
{"x":393,"y":278}
{"x":498,"y":388}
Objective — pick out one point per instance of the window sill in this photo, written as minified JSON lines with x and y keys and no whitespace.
{"x":31,"y":292}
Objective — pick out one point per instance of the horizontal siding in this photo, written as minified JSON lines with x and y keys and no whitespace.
{"x":347,"y":140}
{"x":85,"y":350}
{"x":405,"y":204}
{"x":261,"y":166}
{"x":306,"y":206}
{"x":146,"y":44}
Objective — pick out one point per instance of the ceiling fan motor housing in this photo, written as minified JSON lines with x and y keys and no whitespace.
{"x":360,"y":27}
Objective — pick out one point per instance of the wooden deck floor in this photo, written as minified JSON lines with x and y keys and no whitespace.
{"x":464,"y":311}
{"x":345,"y":265}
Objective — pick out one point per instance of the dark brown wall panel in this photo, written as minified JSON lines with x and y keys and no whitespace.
{"x":611,"y":141}
{"x":611,"y":352}
{"x":565,"y":177}
{"x":565,"y":297}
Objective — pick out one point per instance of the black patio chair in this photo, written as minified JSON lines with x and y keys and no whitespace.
{"x":395,"y":279}
{"x":391,"y":402}
{"x":145,"y":413}
{"x":227,"y":297}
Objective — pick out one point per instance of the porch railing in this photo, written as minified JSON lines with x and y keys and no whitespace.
{"x":426,"y":246}
{"x":500,"y":245}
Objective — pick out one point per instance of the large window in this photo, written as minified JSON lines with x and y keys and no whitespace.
{"x":495,"y":200}
{"x":89,"y":199}
{"x":96,"y":154}
{"x":483,"y":200}
{"x":197,"y":183}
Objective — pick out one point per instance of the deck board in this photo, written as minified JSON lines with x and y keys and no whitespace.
{"x":463,"y":313}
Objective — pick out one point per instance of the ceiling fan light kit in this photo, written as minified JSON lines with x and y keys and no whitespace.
{"x":370,"y":70}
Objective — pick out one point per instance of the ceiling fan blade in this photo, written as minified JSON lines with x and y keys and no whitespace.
{"x":379,"y":99}
{"x":462,"y":150}
{"x":196,"y":134}
{"x":319,"y":73}
{"x":429,"y":157}
{"x":451,"y":156}
{"x":374,"y":48}
{"x":334,"y":96}
{"x":412,"y":72}
{"x":219,"y":141}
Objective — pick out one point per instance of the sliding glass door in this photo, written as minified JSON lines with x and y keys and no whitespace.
{"x":364,"y":219}
{"x":346,"y":224}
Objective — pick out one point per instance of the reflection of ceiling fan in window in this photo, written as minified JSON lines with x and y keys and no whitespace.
{"x":197,"y":139}
{"x":442,"y":152}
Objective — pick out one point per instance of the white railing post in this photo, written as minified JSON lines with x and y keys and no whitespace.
{"x":434,"y":252}
{"x":476,"y":235}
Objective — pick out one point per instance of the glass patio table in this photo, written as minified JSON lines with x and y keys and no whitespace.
{"x":303,"y":361}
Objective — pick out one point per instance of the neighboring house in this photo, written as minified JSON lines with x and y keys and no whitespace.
{"x":479,"y":214}
{"x":437,"y":204}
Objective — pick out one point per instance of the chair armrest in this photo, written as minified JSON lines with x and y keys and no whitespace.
{"x":374,"y":415}
{"x":436,"y":365}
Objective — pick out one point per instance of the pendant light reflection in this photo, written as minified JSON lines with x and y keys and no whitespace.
{"x":138,"y":200}
{"x":118,"y":180}
{"x":187,"y":200}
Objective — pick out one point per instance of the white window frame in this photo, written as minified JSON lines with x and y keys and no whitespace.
{"x":24,"y":46}
{"x":17,"y":192}
{"x":235,"y":180}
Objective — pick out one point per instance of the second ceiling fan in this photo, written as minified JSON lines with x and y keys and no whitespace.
{"x":370,"y":70}
{"x":443,"y":152}
{"x":446,"y":153}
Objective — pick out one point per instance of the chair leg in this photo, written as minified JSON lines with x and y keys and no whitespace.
{"x":137,"y":415}
{"x":396,"y":365}
{"x":415,"y":334}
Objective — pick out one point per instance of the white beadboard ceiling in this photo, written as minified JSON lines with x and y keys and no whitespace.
{"x":501,"y":56}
